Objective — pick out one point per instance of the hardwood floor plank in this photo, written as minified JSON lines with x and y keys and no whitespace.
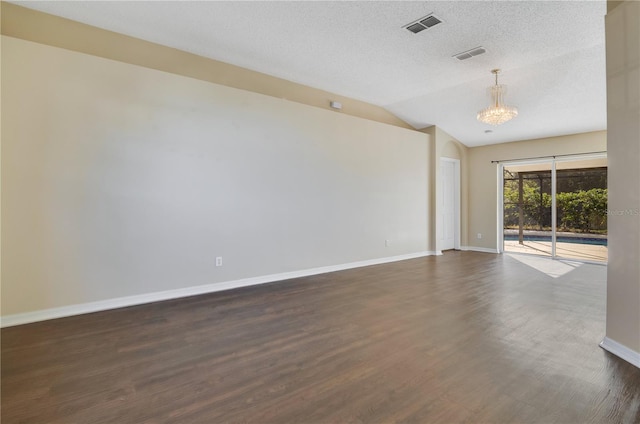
{"x":462,"y":338}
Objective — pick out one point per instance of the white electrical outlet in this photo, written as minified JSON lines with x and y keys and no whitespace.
{"x":479,"y":235}
{"x":219,"y":261}
{"x":387,"y":243}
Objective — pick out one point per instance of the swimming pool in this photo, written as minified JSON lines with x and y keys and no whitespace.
{"x":561,"y":239}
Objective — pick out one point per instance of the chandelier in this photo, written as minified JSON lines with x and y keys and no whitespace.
{"x":497,"y":113}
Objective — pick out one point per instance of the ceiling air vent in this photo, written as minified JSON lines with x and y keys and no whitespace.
{"x":423,"y":23}
{"x":470,"y":53}
{"x":416,"y":28}
{"x":430,"y":21}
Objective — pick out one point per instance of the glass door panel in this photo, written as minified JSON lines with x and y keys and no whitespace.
{"x":527,"y":209}
{"x":581,"y":204}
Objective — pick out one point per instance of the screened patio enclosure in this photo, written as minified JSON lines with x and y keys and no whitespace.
{"x":556,"y":208}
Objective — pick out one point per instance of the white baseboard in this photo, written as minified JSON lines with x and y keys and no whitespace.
{"x":621,"y":351}
{"x":479,"y":249}
{"x":121,"y":302}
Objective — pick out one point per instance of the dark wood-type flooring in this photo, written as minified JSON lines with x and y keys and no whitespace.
{"x":462,"y":338}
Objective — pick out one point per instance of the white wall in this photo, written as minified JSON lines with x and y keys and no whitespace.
{"x":119,"y":180}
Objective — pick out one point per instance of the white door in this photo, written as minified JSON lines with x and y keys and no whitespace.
{"x":449,"y":206}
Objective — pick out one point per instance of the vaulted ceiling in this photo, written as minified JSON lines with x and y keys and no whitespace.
{"x":551,"y":54}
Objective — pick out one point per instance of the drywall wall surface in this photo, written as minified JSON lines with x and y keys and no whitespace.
{"x":32,"y":25}
{"x":623,"y":128}
{"x":483,"y":176}
{"x":120,"y":180}
{"x":451,"y":150}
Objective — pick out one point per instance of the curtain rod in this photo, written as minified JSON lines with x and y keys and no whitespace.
{"x":548,"y":157}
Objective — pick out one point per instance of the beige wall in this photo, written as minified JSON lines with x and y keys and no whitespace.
{"x":120,"y":180}
{"x":623,"y":123}
{"x":612,"y":4}
{"x":483,"y":181}
{"x":27,"y":24}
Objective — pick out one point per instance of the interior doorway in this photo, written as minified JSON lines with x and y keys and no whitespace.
{"x":556,"y":208}
{"x":449,"y":204}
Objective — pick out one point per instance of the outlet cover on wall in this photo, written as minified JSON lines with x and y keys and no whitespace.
{"x":479,"y":235}
{"x":219,"y":261}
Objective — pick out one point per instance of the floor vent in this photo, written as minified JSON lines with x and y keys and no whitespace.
{"x":470,"y":53}
{"x":421,"y":24}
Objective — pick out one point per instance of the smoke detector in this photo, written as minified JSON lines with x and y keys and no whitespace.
{"x":423,"y":23}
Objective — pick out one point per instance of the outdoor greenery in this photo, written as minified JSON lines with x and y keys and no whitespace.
{"x":581,"y":210}
{"x":536,"y":205}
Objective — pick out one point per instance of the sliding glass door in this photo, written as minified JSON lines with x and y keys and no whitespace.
{"x":556,"y":208}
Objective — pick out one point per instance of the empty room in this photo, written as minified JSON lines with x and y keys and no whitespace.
{"x":320,"y":212}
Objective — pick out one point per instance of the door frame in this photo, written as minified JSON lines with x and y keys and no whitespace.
{"x":456,"y":202}
{"x":500,"y":214}
{"x":552,"y":160}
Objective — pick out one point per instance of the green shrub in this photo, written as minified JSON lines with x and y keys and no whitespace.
{"x":582,"y":210}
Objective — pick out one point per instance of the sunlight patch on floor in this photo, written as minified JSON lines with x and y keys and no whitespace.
{"x":553,"y":268}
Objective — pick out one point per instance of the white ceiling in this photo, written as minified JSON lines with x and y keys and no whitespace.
{"x":551,"y":52}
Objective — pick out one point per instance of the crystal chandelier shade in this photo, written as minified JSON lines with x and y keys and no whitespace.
{"x":498,"y":113}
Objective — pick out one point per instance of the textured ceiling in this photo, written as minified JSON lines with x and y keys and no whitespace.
{"x":551,"y":53}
